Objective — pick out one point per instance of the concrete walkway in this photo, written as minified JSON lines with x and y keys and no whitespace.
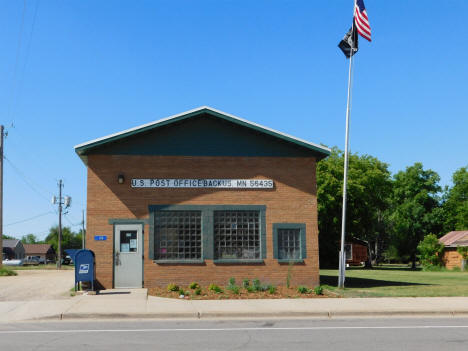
{"x":134,"y":303}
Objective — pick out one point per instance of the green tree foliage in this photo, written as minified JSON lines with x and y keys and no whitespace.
{"x":70,"y":239}
{"x":415,"y":208}
{"x":4,"y":236}
{"x":456,"y":202}
{"x":30,"y":239}
{"x":430,"y":251}
{"x":369,"y":190}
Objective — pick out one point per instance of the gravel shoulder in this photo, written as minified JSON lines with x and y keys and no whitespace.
{"x":34,"y":285}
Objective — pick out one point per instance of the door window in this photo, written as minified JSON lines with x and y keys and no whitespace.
{"x":128,"y":241}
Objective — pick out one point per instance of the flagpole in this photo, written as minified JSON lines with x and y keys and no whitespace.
{"x":342,"y":256}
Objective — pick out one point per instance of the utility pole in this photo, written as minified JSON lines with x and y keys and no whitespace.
{"x":82,"y":230}
{"x":60,"y":201}
{"x":1,"y":194}
{"x":59,"y":264}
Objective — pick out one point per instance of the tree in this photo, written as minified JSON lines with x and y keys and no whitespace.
{"x":369,"y":190}
{"x":30,"y":239}
{"x":415,"y":209}
{"x":456,"y":202}
{"x":70,"y":240}
{"x":430,"y":251}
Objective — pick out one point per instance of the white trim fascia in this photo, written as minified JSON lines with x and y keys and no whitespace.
{"x":196,"y":110}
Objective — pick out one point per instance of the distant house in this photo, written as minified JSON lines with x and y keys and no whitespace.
{"x":13,"y":249}
{"x":356,"y":251}
{"x":452,"y":240}
{"x":45,"y":251}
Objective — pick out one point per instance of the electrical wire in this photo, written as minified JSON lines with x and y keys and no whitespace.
{"x":29,"y":219}
{"x":18,"y":51}
{"x":16,"y":99}
{"x":28,"y":181}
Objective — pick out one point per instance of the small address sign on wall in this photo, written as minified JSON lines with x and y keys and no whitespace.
{"x":203,"y":183}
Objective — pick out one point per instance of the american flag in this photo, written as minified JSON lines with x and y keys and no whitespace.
{"x":361,"y":21}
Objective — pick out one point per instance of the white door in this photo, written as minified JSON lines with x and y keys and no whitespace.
{"x":128,"y":256}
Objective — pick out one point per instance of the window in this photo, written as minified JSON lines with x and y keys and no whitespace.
{"x":289,"y":241}
{"x":349,"y":251}
{"x":128,"y":241}
{"x":236,"y":234}
{"x":177,"y":235}
{"x":190,"y":234}
{"x":289,"y":244}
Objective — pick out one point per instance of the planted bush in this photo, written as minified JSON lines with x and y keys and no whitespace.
{"x":172,"y":287}
{"x":245,"y":283}
{"x":318,"y":290}
{"x":198,"y":291}
{"x":256,"y":285}
{"x":271,"y":289}
{"x":430,"y":251}
{"x":302,"y":289}
{"x":215,"y":288}
{"x":194,"y":286}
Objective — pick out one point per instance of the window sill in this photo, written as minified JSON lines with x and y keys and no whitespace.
{"x":238,"y":261}
{"x":290,"y":261}
{"x":179,"y":261}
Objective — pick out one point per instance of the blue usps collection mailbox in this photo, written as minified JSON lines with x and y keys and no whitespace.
{"x":84,"y":267}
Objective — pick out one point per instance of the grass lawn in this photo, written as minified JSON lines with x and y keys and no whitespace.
{"x":396,"y":281}
{"x":41,"y":266}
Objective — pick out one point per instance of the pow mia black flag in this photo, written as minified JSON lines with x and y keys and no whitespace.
{"x":349,"y":44}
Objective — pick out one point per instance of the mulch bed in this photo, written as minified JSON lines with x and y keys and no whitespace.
{"x":282,"y":292}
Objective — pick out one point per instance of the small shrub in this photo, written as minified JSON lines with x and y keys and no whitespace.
{"x":430,"y":251}
{"x":235,"y":289}
{"x":215,"y":288}
{"x":301,"y":289}
{"x":172,"y":287}
{"x":318,"y":290}
{"x":271,"y":289}
{"x":246,"y":283}
{"x":456,"y":269}
{"x":5,"y":271}
{"x":250,"y":289}
{"x":182,"y":292}
{"x":198,"y":291}
{"x":232,"y":281}
{"x":194,"y":286}
{"x":289,"y":276}
{"x":256,"y":285}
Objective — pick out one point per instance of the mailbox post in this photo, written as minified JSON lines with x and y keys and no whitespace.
{"x":84,"y":267}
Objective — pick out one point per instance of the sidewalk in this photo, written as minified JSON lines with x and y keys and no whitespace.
{"x":134,"y":303}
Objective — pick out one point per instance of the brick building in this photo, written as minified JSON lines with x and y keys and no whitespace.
{"x":202,"y":196}
{"x":452,"y":240}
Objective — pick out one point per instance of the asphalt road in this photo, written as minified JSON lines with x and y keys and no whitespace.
{"x":346,"y":334}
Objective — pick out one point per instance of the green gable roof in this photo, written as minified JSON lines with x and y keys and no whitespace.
{"x":202,"y":132}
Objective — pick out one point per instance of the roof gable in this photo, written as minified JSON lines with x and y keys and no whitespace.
{"x":37,"y":248}
{"x":455,"y":238}
{"x":202,"y":132}
{"x":10,"y":242}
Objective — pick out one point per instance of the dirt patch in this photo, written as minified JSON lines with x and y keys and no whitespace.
{"x":32,"y":285}
{"x":282,"y":292}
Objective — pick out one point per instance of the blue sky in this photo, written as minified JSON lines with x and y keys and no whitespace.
{"x":72,"y":71}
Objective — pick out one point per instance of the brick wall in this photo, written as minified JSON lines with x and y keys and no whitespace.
{"x":451,"y":258}
{"x":292,"y":200}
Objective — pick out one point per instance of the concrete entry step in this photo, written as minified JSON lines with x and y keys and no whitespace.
{"x":139,"y":294}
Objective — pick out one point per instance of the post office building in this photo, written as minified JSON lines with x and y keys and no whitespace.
{"x":202,"y":196}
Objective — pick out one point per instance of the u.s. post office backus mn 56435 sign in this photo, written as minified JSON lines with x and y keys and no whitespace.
{"x":203,"y":183}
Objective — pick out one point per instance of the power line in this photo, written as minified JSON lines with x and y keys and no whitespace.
{"x":16,"y":99}
{"x":29,"y":219}
{"x":28,"y":181}
{"x":18,"y":51}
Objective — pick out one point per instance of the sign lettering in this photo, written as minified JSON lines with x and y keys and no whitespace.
{"x":203,"y":183}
